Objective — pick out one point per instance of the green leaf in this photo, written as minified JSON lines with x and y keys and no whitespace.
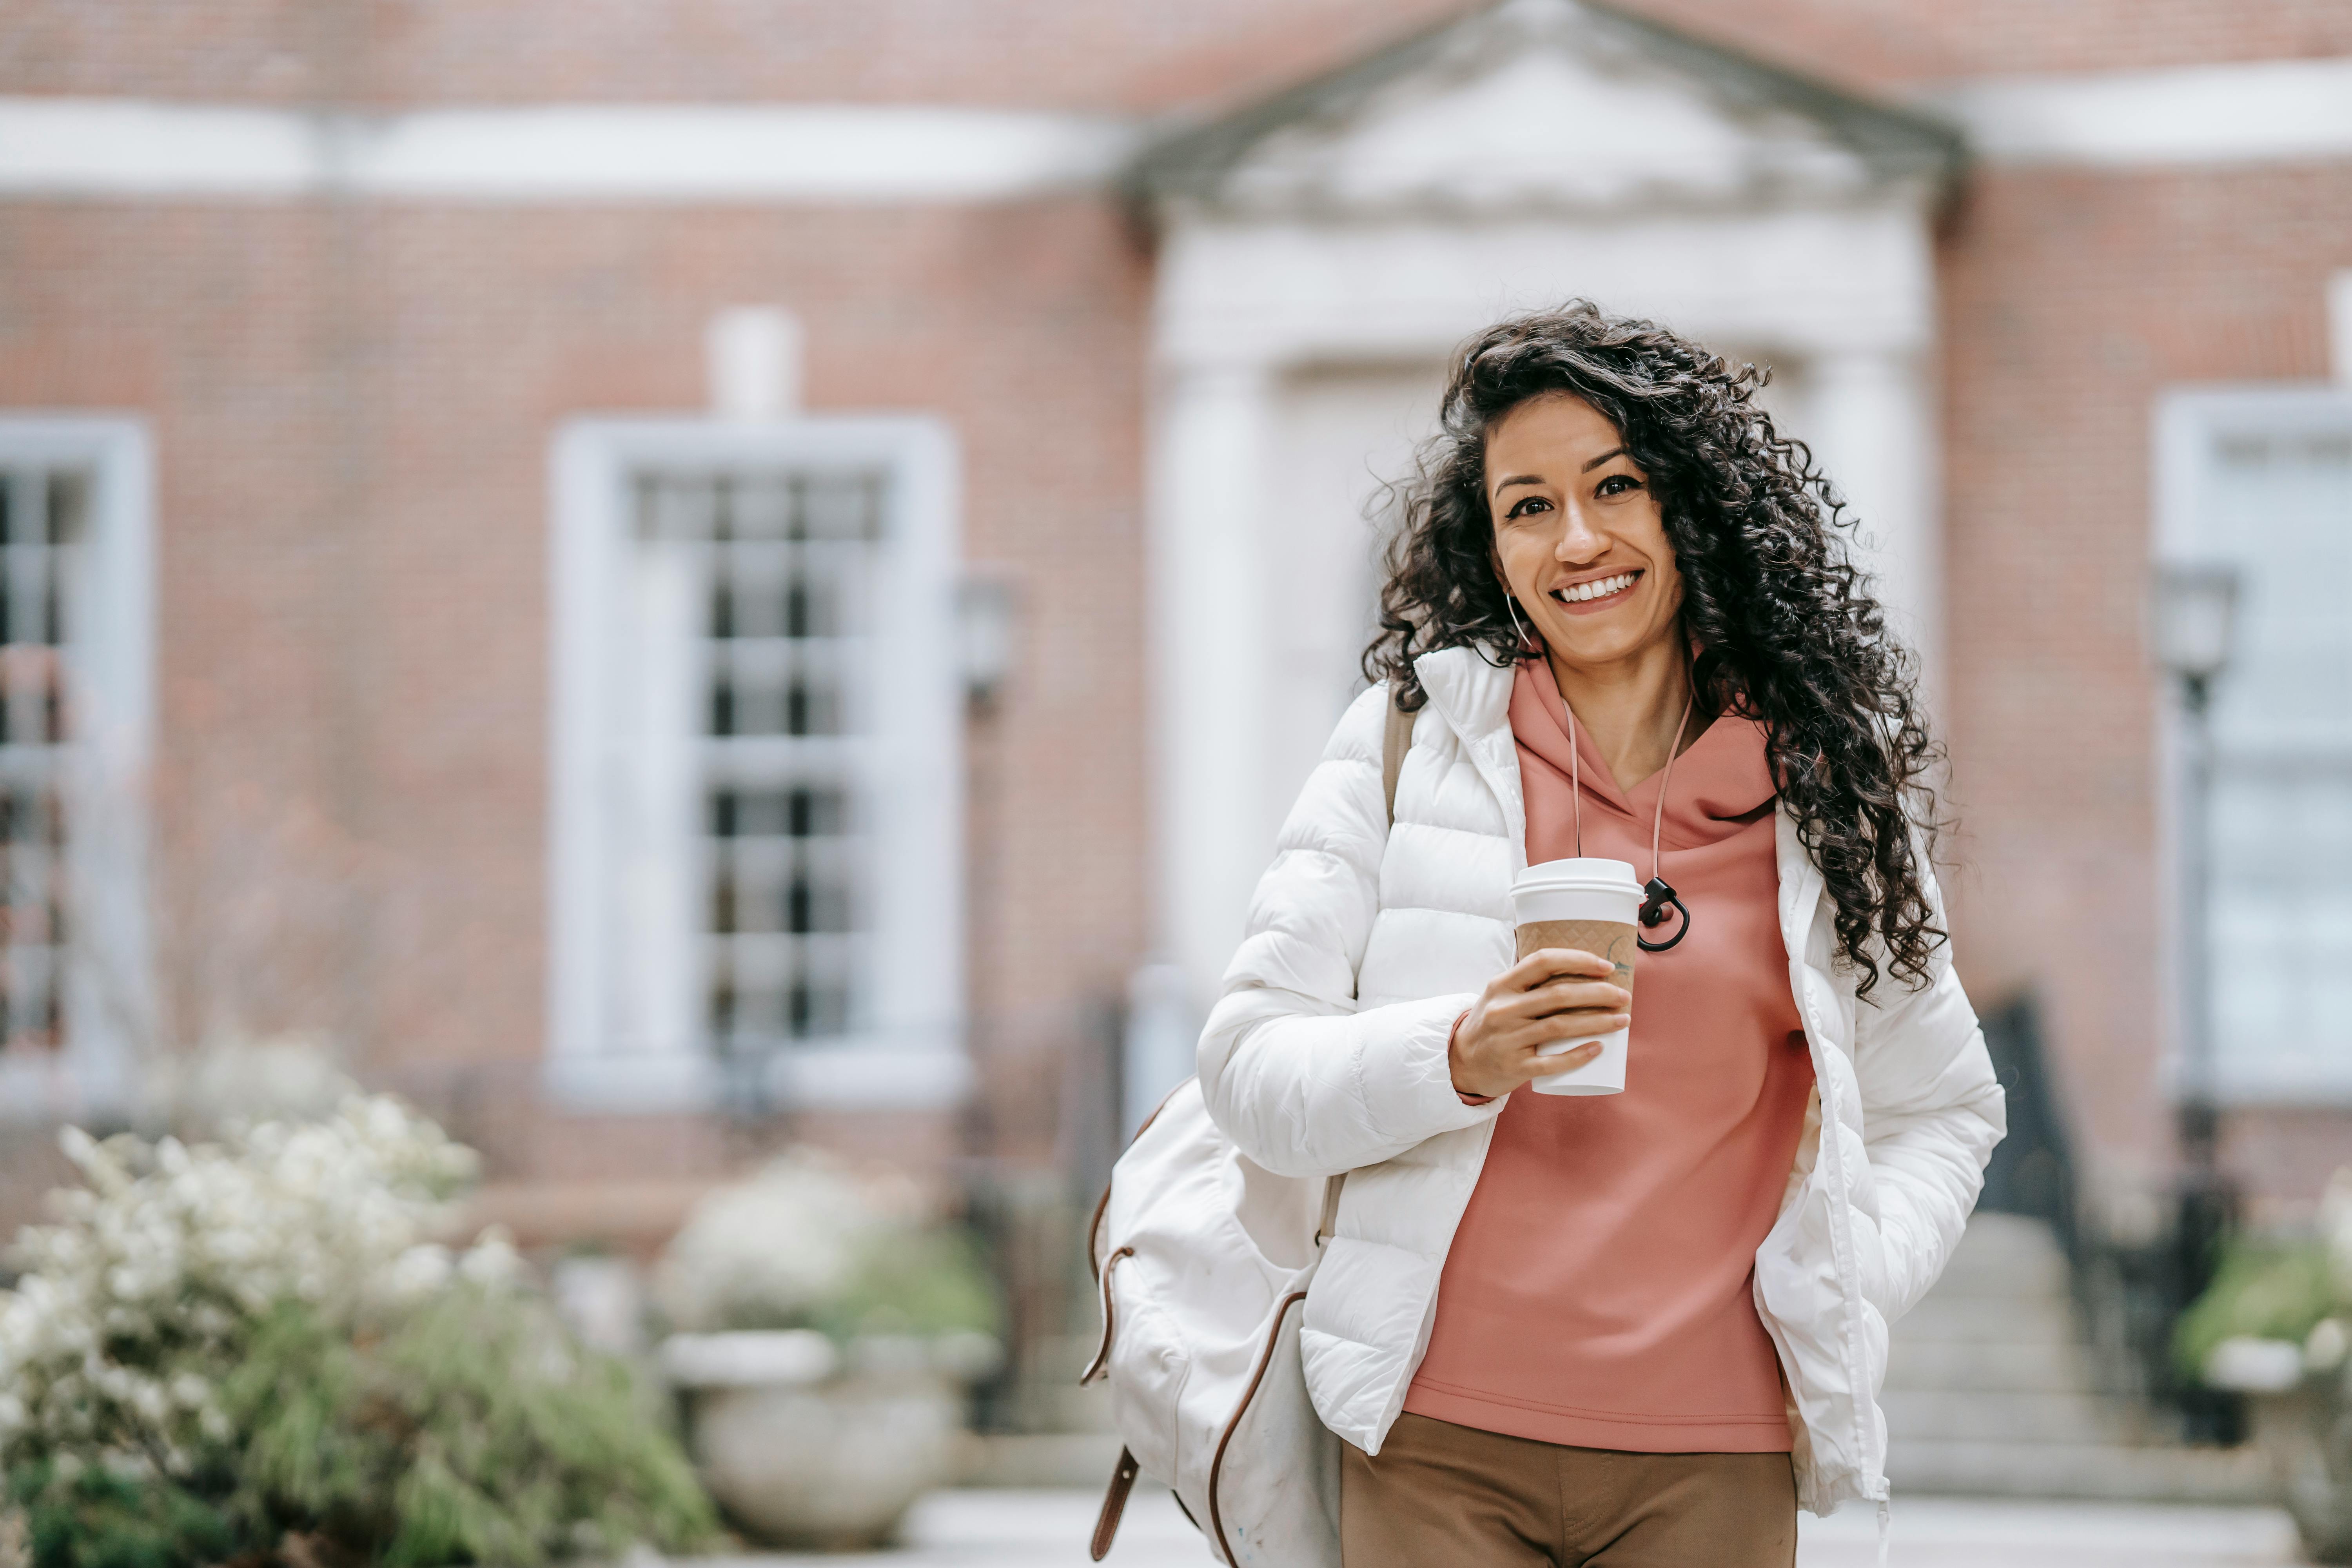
{"x":2265,"y":1290}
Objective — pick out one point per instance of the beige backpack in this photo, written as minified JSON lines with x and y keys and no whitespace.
{"x":1203,"y":1259}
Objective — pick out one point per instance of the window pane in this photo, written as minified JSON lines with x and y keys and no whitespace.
{"x":2279,"y":507}
{"x":844,"y":506}
{"x":786,"y":561}
{"x":43,"y":516}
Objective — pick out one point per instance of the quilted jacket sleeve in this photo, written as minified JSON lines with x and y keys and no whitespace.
{"x":1932,"y":1111}
{"x":1299,"y":1080}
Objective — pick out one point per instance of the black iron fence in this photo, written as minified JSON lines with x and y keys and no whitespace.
{"x":2131,"y":1289}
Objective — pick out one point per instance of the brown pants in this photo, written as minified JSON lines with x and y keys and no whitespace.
{"x":1441,"y":1496}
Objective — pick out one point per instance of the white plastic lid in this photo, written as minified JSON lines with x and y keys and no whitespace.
{"x":1585,"y":875}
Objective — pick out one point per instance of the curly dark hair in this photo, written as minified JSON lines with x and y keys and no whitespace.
{"x":1783,"y":627}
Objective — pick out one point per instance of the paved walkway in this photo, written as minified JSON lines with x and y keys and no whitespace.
{"x":1015,"y":1529}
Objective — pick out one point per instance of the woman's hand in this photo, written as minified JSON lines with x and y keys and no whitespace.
{"x":1552,"y":994}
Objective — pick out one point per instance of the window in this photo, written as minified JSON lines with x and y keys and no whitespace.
{"x":44,"y":518}
{"x":74,"y":694}
{"x":2262,"y":477}
{"x":757,"y":873}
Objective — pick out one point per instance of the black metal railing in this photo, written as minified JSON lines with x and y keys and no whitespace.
{"x":2131,"y":1289}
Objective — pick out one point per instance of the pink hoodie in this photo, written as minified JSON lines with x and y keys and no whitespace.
{"x":1597,"y":1289}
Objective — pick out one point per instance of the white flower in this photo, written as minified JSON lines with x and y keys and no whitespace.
{"x":419,"y":1271}
{"x":492,"y":1260}
{"x":2325,"y":1348}
{"x":772,"y":1248}
{"x":2336,"y":1226}
{"x":174,"y":1248}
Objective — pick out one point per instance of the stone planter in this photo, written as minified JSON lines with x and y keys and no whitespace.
{"x":2302,"y":1420}
{"x":803,"y":1446}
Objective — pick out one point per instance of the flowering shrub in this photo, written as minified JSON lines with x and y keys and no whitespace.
{"x":2292,"y":1294}
{"x":222,"y":1348}
{"x":807,"y":1244}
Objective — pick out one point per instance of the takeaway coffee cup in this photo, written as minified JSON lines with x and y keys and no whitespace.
{"x":1590,"y":905}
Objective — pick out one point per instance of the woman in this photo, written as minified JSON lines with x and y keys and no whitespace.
{"x":1639,"y":1328}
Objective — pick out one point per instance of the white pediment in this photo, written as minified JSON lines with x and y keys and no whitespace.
{"x":1543,"y":104}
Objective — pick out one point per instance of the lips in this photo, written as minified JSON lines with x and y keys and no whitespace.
{"x":1578,"y":595}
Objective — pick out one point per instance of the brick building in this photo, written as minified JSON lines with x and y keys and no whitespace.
{"x":516,"y":499}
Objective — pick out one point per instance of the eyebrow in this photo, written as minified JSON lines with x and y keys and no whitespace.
{"x":1538,"y":479}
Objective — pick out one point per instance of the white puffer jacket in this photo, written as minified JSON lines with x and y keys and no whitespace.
{"x":1327,"y":1053}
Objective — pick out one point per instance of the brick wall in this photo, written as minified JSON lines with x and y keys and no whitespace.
{"x":2070,"y":301}
{"x":1891,"y":45}
{"x":352,"y":407}
{"x":217,"y":324}
{"x":1094,"y":55}
{"x":352,"y":413}
{"x":1113,"y":56}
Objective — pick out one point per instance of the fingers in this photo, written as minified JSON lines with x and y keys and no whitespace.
{"x":1528,"y":1022}
{"x":1567,"y":1061}
{"x":1570,"y":997}
{"x":1556,"y":998}
{"x":1549,"y":962}
{"x":1552,"y":1031}
{"x":1560,"y":1011}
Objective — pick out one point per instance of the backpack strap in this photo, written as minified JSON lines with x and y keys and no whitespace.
{"x":1395,"y":742}
{"x":1122,"y":1481}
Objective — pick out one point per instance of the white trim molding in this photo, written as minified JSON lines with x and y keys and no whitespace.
{"x":2254,"y":111}
{"x":130,"y":148}
{"x":637,"y":771}
{"x":136,"y":148}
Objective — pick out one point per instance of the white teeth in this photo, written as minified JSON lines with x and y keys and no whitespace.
{"x":1600,"y":588}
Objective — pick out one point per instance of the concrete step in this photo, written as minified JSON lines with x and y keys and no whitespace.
{"x":1990,"y":1234}
{"x":2005,"y":1266}
{"x":2027,"y":1321}
{"x":2026,"y":1254}
{"x":1986,"y":1366}
{"x":2109,"y":1472}
{"x":1988,"y":1392}
{"x":2035,"y":1416}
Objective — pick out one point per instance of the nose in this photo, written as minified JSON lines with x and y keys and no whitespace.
{"x":1579,"y":543}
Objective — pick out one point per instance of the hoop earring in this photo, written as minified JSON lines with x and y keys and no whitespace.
{"x":1527,"y":639}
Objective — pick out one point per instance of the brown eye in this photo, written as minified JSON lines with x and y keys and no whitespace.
{"x":1617,"y":484}
{"x":1528,"y":507}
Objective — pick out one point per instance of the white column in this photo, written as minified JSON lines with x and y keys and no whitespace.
{"x":1211,"y":655}
{"x":1872,"y":418}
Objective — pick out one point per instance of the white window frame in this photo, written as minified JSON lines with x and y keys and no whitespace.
{"x":108,"y":1005}
{"x":2189,"y":422}
{"x":613,"y":1049}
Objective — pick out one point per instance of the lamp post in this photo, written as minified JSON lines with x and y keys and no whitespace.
{"x":2196,"y":604}
{"x":2195,"y":608}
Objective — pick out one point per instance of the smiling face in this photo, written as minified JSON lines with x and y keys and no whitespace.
{"x":1579,"y":536}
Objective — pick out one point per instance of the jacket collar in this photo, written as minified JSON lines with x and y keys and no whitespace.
{"x":1474,"y":697}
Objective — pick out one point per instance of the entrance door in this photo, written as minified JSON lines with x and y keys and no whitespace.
{"x":1344,"y":432}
